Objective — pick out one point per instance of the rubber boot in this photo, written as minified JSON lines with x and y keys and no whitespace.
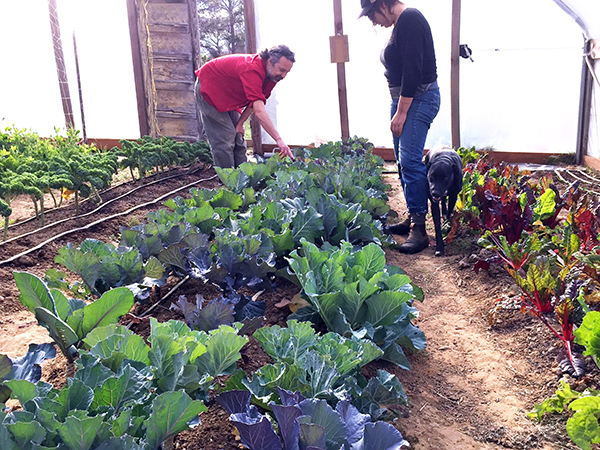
{"x":401,"y":228}
{"x":417,"y":240}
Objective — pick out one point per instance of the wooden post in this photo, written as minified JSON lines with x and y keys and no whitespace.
{"x":340,"y":55}
{"x":61,"y":69}
{"x":455,"y":74}
{"x":137,"y":68}
{"x":250,"y":24}
{"x":83,"y":128}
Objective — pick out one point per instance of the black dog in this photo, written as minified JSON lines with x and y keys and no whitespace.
{"x":444,"y":176}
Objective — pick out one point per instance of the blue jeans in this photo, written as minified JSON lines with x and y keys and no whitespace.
{"x":408,"y":148}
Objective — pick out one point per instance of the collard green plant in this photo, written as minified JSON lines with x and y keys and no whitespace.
{"x":357,"y":293}
{"x":69,"y":321}
{"x":103,"y":267}
{"x":97,"y":410}
{"x":178,"y":357}
{"x":326,"y":367}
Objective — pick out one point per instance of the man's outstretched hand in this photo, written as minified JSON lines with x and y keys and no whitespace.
{"x":284,"y":149}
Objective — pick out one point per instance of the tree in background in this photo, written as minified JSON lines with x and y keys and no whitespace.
{"x":222,"y":29}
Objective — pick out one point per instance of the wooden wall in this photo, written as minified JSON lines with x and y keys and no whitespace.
{"x":169,"y":52}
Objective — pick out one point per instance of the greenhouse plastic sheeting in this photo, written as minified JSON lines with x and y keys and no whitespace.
{"x":29,"y":91}
{"x":520,"y":93}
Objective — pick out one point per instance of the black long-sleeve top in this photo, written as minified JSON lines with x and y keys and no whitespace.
{"x":409,"y":56}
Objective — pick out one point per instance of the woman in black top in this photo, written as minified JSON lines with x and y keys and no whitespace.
{"x":409,"y":61}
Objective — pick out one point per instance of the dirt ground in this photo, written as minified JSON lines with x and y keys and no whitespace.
{"x":471,"y":389}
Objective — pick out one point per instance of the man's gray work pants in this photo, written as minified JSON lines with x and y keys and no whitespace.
{"x":220,"y":130}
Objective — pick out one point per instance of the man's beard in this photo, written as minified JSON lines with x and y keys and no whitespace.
{"x":276,"y":78}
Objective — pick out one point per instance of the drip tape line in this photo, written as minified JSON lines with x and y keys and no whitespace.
{"x":108,"y":202}
{"x":104,"y":219}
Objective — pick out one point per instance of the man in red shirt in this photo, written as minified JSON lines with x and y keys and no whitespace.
{"x":232,"y":87}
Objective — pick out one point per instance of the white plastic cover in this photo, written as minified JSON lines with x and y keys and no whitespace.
{"x":521,"y":93}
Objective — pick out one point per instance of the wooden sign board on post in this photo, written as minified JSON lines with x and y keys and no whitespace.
{"x":339,"y":49}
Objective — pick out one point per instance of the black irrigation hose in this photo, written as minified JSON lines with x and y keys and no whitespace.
{"x":16,"y":224}
{"x":104,"y":219}
{"x":50,"y":225}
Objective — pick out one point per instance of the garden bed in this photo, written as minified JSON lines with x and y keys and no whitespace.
{"x":471,"y":389}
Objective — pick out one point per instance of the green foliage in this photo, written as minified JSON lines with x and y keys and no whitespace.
{"x":582,"y":426}
{"x":356,"y":292}
{"x":150,"y":153}
{"x":103,"y":267}
{"x":555,"y":404}
{"x":69,"y":321}
{"x":588,"y":334}
{"x":325,"y":367}
{"x":222,"y":27}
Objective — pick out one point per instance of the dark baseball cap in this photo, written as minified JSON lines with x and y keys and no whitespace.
{"x":367,"y":6}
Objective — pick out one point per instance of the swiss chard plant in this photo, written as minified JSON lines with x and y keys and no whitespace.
{"x":355,"y":293}
{"x":307,"y":423}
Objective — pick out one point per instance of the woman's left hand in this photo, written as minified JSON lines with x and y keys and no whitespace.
{"x":397,"y":124}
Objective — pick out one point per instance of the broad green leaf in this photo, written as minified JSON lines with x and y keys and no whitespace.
{"x":78,"y":433}
{"x":171,"y":412}
{"x":80,"y":396}
{"x":222,"y":351}
{"x":583,"y":427}
{"x":6,"y":441}
{"x":27,"y":433}
{"x":86,"y":265}
{"x":130,"y":385}
{"x":113,"y":339}
{"x":5,"y":366}
{"x":371,"y":259}
{"x":61,"y":304}
{"x":588,"y":334}
{"x":306,"y":224}
{"x":62,"y":334}
{"x":106,"y":310}
{"x":385,"y":306}
{"x":33,"y":292}
{"x":286,"y":344}
{"x":154,"y":268}
{"x":167,"y":357}
{"x":22,"y":390}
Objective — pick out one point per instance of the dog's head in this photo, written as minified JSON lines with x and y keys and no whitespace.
{"x":441,"y":171}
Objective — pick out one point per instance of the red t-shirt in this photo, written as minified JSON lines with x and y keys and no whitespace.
{"x":232,"y":82}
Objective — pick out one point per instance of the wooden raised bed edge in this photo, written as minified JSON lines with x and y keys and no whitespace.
{"x":388,"y":154}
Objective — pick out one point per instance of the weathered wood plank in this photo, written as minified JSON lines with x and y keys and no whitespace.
{"x":167,"y":13}
{"x":180,"y":101}
{"x":182,"y":28}
{"x":171,"y":43}
{"x":170,"y":71}
{"x":170,"y":126}
{"x":175,"y":85}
